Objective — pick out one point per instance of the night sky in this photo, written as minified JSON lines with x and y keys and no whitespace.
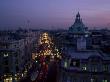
{"x":53,"y":13}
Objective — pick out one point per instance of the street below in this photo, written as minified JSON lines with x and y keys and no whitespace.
{"x":52,"y":73}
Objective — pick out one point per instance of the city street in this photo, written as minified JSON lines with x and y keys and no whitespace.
{"x":55,"y":41}
{"x":44,"y":68}
{"x":46,"y":58}
{"x":52,"y":73}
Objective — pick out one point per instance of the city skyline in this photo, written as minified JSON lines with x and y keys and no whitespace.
{"x":49,"y":14}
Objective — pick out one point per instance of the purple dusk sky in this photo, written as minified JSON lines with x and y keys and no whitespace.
{"x":53,"y":13}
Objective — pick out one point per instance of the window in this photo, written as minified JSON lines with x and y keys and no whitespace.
{"x":84,"y":67}
{"x":75,"y":63}
{"x":105,"y":67}
{"x":94,"y":68}
{"x":8,"y":79}
{"x":65,"y":64}
{"x":93,"y":80}
{"x":5,"y":54}
{"x":104,"y":80}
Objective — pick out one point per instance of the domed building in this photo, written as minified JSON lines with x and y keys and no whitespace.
{"x":78,"y":26}
{"x":81,"y":64}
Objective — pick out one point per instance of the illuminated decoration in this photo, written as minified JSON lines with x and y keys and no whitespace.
{"x":33,"y":56}
{"x":52,"y":56}
{"x":47,"y":50}
{"x":44,"y":38}
{"x":43,"y":63}
{"x":36,"y":61}
{"x":16,"y":79}
{"x":8,"y":79}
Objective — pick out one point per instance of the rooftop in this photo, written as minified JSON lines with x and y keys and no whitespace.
{"x":85,"y":54}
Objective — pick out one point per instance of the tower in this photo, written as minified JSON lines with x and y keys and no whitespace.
{"x":78,"y":20}
{"x":79,"y":32}
{"x":78,"y":26}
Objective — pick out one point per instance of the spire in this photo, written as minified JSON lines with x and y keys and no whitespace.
{"x":78,"y":15}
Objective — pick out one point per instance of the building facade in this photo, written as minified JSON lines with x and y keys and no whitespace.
{"x":15,"y":55}
{"x":81,"y":62}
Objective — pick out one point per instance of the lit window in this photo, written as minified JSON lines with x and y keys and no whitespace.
{"x":93,"y":79}
{"x":104,"y":80}
{"x":8,"y":79}
{"x":105,"y":67}
{"x":94,"y":68}
{"x":65,"y":64}
{"x":22,"y":75}
{"x":6,"y":55}
{"x":84,"y":67}
{"x":86,"y":35}
{"x":74,"y":63}
{"x":16,"y":78}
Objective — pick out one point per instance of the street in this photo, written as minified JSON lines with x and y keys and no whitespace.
{"x":44,"y":68}
{"x":52,"y":73}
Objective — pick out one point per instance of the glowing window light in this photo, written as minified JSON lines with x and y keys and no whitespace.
{"x":22,"y":75}
{"x":52,"y":56}
{"x":6,"y":55}
{"x":65,"y":64}
{"x":4,"y":75}
{"x":46,"y":41}
{"x":84,"y":67}
{"x":58,"y":56}
{"x":92,"y":80}
{"x":36,"y":56}
{"x":74,"y":63}
{"x":104,"y":80}
{"x":15,"y":74}
{"x":9,"y":79}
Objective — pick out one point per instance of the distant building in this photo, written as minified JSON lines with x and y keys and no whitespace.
{"x":81,"y":63}
{"x":78,"y":26}
{"x":15,"y":55}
